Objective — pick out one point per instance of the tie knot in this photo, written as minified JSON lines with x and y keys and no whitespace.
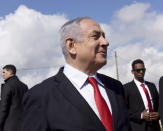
{"x":142,"y":85}
{"x":92,"y":81}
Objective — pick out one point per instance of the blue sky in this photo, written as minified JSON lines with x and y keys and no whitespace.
{"x":100,"y":10}
{"x":29,"y":35}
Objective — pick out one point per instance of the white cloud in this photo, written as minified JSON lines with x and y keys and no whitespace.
{"x":29,"y":38}
{"x":137,"y":22}
{"x":132,"y":13}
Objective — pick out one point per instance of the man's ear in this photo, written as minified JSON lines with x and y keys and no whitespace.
{"x":132,"y":71}
{"x":70,"y":46}
{"x":10,"y":72}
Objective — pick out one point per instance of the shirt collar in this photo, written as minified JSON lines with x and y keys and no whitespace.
{"x":78,"y":77}
{"x":138,"y":82}
{"x":97,"y":79}
{"x":74,"y":75}
{"x":10,"y":78}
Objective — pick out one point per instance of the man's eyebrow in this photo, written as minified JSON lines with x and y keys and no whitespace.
{"x":97,"y":32}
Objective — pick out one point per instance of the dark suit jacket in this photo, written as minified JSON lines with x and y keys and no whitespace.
{"x":56,"y":105}
{"x":136,"y":106}
{"x":11,"y":104}
{"x":161,"y":98}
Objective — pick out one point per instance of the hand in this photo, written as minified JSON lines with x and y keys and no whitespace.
{"x":146,"y":115}
{"x":154,"y":116}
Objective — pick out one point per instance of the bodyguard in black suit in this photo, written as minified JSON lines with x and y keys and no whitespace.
{"x":143,"y":114}
{"x":12,"y":92}
{"x":161,"y":98}
{"x":69,"y":101}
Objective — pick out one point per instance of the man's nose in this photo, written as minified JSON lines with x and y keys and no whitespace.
{"x":141,"y":71}
{"x":104,"y":42}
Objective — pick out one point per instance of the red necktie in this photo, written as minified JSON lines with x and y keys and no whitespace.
{"x":148,"y":98}
{"x":102,"y":107}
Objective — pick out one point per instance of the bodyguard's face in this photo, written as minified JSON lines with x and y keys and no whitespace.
{"x":139,"y":72}
{"x":93,"y":48}
{"x":6,"y":74}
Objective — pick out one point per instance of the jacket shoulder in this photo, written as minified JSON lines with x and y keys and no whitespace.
{"x":111,"y":83}
{"x":107,"y":78}
{"x":128,"y":84}
{"x":42,"y":88}
{"x":161,"y":79}
{"x":44,"y":84}
{"x":149,"y":83}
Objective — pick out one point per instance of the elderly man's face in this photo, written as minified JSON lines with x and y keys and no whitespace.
{"x":93,"y":48}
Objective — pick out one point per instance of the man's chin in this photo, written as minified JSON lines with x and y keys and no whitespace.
{"x":102,"y":63}
{"x":141,"y":79}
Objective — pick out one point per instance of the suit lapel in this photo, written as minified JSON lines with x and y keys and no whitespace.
{"x":137,"y":94}
{"x":150,"y":87}
{"x":75,"y":98}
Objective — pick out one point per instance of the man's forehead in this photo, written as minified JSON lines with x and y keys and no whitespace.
{"x":89,"y":23}
{"x":6,"y":70}
{"x":90,"y":26}
{"x":139,"y":65}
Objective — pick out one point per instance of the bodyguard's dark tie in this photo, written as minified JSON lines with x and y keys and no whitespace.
{"x":102,"y":107}
{"x":148,"y":98}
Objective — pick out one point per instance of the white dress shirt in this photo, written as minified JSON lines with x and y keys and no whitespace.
{"x":79,"y":80}
{"x":140,"y":88}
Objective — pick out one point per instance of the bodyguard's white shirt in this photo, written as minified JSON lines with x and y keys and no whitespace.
{"x":143,"y":93}
{"x":79,"y":80}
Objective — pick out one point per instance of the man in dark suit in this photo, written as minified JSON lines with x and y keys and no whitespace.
{"x":11,"y":106}
{"x":142,"y":100}
{"x":161,"y":98}
{"x":78,"y":98}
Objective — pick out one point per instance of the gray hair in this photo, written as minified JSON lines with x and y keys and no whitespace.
{"x":72,"y":30}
